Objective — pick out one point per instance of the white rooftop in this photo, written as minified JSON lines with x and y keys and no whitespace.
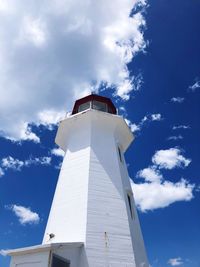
{"x":44,"y":247}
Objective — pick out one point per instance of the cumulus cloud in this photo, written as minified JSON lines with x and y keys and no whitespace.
{"x":148,"y":118}
{"x":16,"y":164}
{"x":49,"y":118}
{"x":175,"y":127}
{"x":194,"y":86}
{"x":150,"y":174}
{"x":177,"y":99}
{"x":155,"y":191}
{"x":160,"y":194}
{"x":170,"y":158}
{"x":53,"y":52}
{"x":25,"y":215}
{"x":175,"y":261}
{"x":21,"y":132}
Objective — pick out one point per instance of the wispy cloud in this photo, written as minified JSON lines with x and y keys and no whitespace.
{"x":57,"y":152}
{"x":177,"y":99}
{"x":175,"y":261}
{"x":176,"y":127}
{"x":194,"y":86}
{"x":1,"y":172}
{"x":16,"y":164}
{"x":11,"y":163}
{"x":24,"y":214}
{"x":170,"y":158}
{"x":134,"y":127}
{"x":175,"y":137}
{"x":129,"y":85}
{"x":156,"y":117}
{"x":122,"y":111}
{"x":147,"y":119}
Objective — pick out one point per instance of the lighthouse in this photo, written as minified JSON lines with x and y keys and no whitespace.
{"x":93,"y":220}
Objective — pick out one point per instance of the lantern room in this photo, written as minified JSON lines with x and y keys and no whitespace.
{"x":96,"y":102}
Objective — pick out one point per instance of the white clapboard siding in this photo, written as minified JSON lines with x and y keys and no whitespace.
{"x":90,"y":204}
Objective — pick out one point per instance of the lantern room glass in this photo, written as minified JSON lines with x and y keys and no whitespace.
{"x":99,"y":105}
{"x":94,"y":104}
{"x":84,"y":106}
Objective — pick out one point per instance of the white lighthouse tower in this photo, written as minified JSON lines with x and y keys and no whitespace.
{"x":93,"y":220}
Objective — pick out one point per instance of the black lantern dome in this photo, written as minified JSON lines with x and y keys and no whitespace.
{"x":96,"y":102}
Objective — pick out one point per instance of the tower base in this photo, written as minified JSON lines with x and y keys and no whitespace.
{"x":51,"y":255}
{"x":59,"y":255}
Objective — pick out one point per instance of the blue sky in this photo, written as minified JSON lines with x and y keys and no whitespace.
{"x":60,"y":53}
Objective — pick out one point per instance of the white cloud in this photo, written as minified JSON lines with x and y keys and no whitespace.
{"x":27,"y":134}
{"x":49,"y":118}
{"x":175,"y":127}
{"x":25,"y":215}
{"x":195,"y":86}
{"x":134,"y":127}
{"x":122,"y":111}
{"x":54,"y":52}
{"x":58,"y":152}
{"x":22,"y":132}
{"x":129,"y":85}
{"x":124,"y":89}
{"x":156,"y":117}
{"x":177,"y":99}
{"x":1,"y":172}
{"x":154,"y":195}
{"x":175,"y":261}
{"x":150,"y":174}
{"x":11,"y":163}
{"x":38,"y":161}
{"x":148,"y":118}
{"x":33,"y":31}
{"x":170,"y":158}
{"x":156,"y":192}
{"x":175,"y":137}
{"x":16,"y":164}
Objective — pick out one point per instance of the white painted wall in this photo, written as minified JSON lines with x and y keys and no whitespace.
{"x":67,"y":219}
{"x":35,"y":258}
{"x":90,"y":203}
{"x":134,"y":224}
{"x":39,"y":259}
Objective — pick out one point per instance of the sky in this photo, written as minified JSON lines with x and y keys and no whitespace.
{"x":145,"y":56}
